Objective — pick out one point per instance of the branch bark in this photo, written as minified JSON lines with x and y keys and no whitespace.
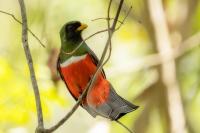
{"x":30,"y":65}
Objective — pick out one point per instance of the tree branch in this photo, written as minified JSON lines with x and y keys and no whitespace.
{"x":18,"y":21}
{"x":30,"y":65}
{"x":106,"y":19}
{"x":109,"y":32}
{"x":175,"y":105}
{"x":124,"y":18}
{"x":154,"y":59}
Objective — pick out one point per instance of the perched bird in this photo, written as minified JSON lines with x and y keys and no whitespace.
{"x":77,"y":69}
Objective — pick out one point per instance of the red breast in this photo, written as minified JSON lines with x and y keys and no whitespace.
{"x":77,"y":72}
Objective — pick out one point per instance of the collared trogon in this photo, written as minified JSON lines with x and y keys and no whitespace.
{"x":77,"y":69}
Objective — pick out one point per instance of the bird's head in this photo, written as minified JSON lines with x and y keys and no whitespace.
{"x":71,"y":31}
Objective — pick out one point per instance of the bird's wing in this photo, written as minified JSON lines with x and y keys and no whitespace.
{"x":62,"y":77}
{"x":95,"y":60}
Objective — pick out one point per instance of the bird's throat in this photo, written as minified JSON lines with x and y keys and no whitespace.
{"x":69,"y":47}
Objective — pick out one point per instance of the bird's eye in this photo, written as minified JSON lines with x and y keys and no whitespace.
{"x":68,"y":28}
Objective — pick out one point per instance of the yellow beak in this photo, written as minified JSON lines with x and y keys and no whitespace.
{"x":82,"y":27}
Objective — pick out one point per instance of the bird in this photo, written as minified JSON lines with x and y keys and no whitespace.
{"x":77,"y":69}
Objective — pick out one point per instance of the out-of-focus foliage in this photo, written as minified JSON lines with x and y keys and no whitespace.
{"x":130,"y":44}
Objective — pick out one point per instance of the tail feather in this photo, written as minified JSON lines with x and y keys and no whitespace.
{"x":119,"y":105}
{"x":114,"y":108}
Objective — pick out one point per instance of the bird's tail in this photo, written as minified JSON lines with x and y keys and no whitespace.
{"x":114,"y":108}
{"x":119,"y":105}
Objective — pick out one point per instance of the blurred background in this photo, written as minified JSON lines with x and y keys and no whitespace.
{"x":135,"y":68}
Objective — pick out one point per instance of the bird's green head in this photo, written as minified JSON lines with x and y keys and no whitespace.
{"x":70,"y":35}
{"x":71,"y":32}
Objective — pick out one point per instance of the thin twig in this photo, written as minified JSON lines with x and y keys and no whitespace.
{"x":122,"y":22}
{"x":11,"y":15}
{"x":92,"y":81}
{"x":117,"y":16}
{"x":30,"y":64}
{"x":121,"y":124}
{"x":108,"y":26}
{"x":106,"y":19}
{"x":112,"y":29}
{"x":124,"y":18}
